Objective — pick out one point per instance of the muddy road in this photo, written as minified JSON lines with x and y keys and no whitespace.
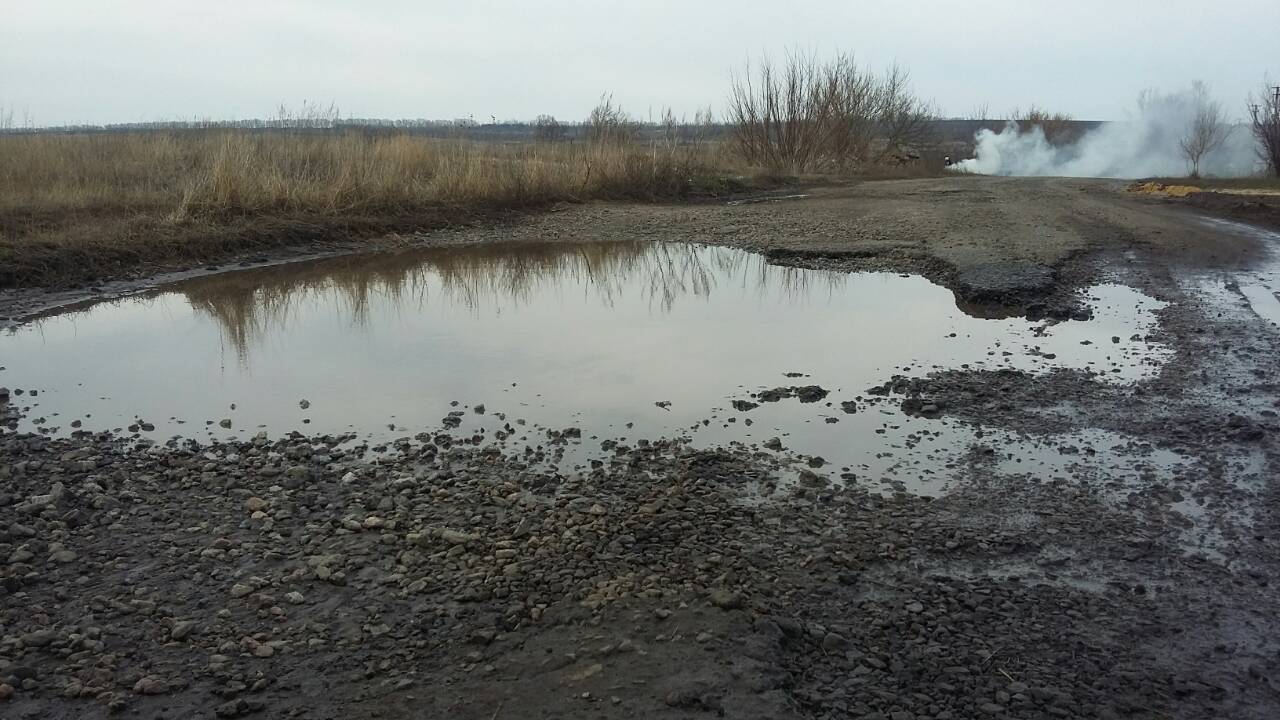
{"x":999,"y":241}
{"x":1034,"y":478}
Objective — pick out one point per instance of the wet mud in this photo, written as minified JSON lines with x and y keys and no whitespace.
{"x":914,"y":524}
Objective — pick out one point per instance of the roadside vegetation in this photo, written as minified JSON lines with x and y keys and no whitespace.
{"x":199,"y":174}
{"x":1208,"y":130}
{"x":76,"y":207}
{"x":805,"y":115}
{"x":1264,"y":122}
{"x":1059,"y":128}
{"x":1245,"y":185}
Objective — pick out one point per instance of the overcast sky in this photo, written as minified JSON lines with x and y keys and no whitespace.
{"x":98,"y":61}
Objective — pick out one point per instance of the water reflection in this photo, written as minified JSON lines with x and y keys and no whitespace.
{"x":621,"y":340}
{"x":250,"y":306}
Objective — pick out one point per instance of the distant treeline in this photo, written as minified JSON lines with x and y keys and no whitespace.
{"x":451,"y":129}
{"x":945,"y":130}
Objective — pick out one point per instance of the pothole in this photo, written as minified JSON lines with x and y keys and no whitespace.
{"x":569,"y":350}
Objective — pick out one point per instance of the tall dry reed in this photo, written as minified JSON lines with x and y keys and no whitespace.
{"x":74,"y":208}
{"x":189,"y":174}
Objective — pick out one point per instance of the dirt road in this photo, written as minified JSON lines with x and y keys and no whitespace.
{"x":1003,"y":241}
{"x":1009,"y":241}
{"x":292,"y":577}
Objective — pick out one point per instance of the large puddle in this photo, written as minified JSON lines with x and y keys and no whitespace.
{"x":617,"y":341}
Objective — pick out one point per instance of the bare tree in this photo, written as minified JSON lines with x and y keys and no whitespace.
{"x":1206,"y":132}
{"x":610,"y":124}
{"x":1265,"y":122}
{"x":904,"y":119}
{"x":1057,"y":127}
{"x":700,"y":130}
{"x":547,"y":129}
{"x":855,"y":105}
{"x":780,"y":115}
{"x":805,"y":113}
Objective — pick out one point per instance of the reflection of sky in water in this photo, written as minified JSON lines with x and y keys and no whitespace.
{"x":591,"y":335}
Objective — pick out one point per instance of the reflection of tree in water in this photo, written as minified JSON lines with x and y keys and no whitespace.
{"x":248,"y":305}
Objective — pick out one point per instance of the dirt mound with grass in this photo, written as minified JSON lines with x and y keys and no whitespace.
{"x":1257,"y":209}
{"x":1159,"y":188}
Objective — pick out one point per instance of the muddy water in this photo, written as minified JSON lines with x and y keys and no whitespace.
{"x":1260,"y":287}
{"x":621,"y":341}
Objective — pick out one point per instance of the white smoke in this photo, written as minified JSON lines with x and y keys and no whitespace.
{"x":1144,"y":146}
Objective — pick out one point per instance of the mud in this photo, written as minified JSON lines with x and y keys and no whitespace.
{"x":1125,"y":572}
{"x":1000,"y":244}
{"x":1255,"y":209}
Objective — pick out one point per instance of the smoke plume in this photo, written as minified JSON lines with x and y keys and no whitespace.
{"x":1146,"y":145}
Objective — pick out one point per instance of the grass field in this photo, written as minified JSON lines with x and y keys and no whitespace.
{"x":75,"y":208}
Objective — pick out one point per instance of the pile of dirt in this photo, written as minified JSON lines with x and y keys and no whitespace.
{"x":1159,"y":188}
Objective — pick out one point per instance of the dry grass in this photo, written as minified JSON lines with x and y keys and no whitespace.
{"x":1245,"y":184}
{"x":1056,"y":126}
{"x":1165,"y":189}
{"x":73,"y":208}
{"x":193,"y":173}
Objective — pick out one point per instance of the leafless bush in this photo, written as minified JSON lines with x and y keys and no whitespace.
{"x":805,"y":113}
{"x":1206,"y":132}
{"x":781,"y":115}
{"x":679,"y":131}
{"x":1057,"y":127}
{"x":609,"y":124}
{"x":905,"y":120}
{"x":854,"y":96}
{"x":1265,"y":122}
{"x":670,"y":126}
{"x":547,"y":129}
